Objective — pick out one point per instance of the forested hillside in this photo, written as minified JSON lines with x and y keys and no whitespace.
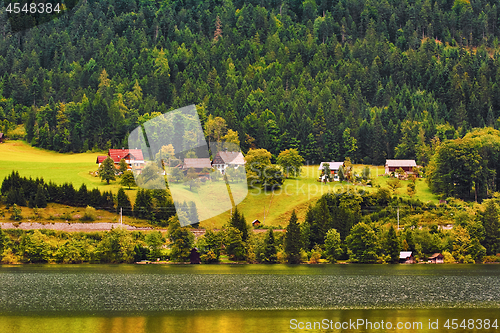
{"x":367,"y":80}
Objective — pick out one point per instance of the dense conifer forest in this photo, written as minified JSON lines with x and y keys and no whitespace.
{"x":367,"y":80}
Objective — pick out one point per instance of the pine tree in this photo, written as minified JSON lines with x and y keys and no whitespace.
{"x":143,"y":204}
{"x":392,"y":245}
{"x":270,"y":252}
{"x":123,"y":202}
{"x":40,"y":199}
{"x":128,"y":179}
{"x":107,"y":170}
{"x":292,"y":240}
{"x":238,"y":221}
{"x":491,"y":227}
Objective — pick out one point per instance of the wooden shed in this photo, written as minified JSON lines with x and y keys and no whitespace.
{"x":436,"y":258}
{"x":406,"y":257}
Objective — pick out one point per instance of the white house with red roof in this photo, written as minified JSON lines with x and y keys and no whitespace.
{"x":133,"y":157}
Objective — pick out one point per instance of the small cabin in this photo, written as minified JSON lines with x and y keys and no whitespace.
{"x":406,"y":257}
{"x":255,"y":223}
{"x":436,"y":258}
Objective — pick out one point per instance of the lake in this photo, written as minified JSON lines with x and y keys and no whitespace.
{"x":248,"y":298}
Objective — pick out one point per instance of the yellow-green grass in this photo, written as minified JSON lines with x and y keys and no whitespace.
{"x":296,"y":194}
{"x":52,"y":166}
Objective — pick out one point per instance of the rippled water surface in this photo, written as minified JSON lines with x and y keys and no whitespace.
{"x":109,"y":298}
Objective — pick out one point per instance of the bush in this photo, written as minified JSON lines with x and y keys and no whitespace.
{"x":89,"y":215}
{"x":16,"y":213}
{"x":448,"y":258}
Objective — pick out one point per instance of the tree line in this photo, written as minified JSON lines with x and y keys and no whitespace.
{"x":332,"y":79}
{"x":357,"y":227}
{"x":155,"y":205}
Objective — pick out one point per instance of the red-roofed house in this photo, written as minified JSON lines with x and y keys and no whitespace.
{"x":133,"y":157}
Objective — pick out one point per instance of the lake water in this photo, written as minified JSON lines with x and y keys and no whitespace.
{"x":248,"y":298}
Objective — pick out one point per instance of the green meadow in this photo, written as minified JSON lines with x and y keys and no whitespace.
{"x":270,"y":207}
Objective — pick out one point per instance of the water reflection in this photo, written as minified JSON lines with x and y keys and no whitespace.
{"x":246,"y":321}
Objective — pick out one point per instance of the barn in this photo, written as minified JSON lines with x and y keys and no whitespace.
{"x":393,"y":165}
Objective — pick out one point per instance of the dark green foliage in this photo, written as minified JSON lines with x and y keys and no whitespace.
{"x":293,"y":242}
{"x":270,"y":251}
{"x":107,"y":170}
{"x":117,"y":246}
{"x":127,"y":179}
{"x":40,"y":198}
{"x":234,"y":244}
{"x":467,"y":168}
{"x":181,"y":239}
{"x":361,"y":244}
{"x":210,"y":245}
{"x":238,"y":222}
{"x":392,"y":245}
{"x":83,"y":196}
{"x":155,"y":241}
{"x":330,"y":79}
{"x":491,"y":223}
{"x":143,"y":204}
{"x":123,"y":202}
{"x":333,"y":248}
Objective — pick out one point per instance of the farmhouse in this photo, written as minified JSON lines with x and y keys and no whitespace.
{"x":406,"y":257}
{"x":198,"y":164}
{"x":223,"y":159}
{"x":436,"y":258}
{"x":334,"y":166}
{"x":133,"y":157}
{"x":393,"y":165}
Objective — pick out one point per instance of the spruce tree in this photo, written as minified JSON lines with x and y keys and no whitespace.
{"x":123,"y":202}
{"x":270,"y":251}
{"x":292,"y":240}
{"x":107,"y":170}
{"x":238,"y":221}
{"x":40,"y":199}
{"x":492,"y":228}
{"x":392,"y":245}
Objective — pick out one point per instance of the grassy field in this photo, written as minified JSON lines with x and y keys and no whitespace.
{"x":271,"y":208}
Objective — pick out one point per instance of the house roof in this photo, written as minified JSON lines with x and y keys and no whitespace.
{"x":404,"y":254}
{"x":197,"y":163}
{"x":400,"y":163}
{"x":229,"y":157}
{"x":333,"y":165}
{"x":436,"y":255}
{"x":101,"y":159}
{"x":128,"y":154}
